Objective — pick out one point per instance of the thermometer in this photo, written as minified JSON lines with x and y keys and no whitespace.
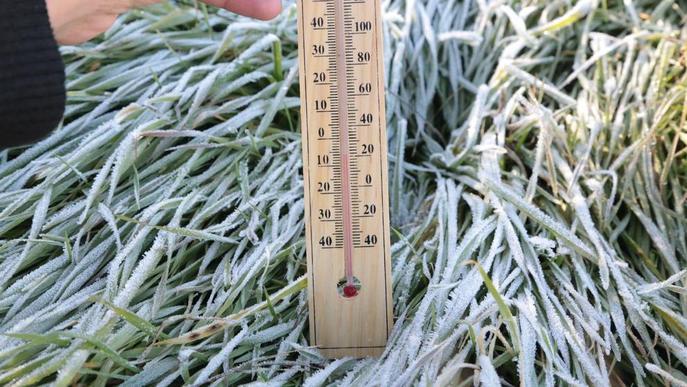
{"x":343,"y":124}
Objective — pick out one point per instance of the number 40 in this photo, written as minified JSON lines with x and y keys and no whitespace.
{"x":371,"y":240}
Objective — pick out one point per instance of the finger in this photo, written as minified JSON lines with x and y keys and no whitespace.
{"x":258,"y":9}
{"x":139,"y":3}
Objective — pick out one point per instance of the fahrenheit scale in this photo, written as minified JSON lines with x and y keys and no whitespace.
{"x":345,"y":171}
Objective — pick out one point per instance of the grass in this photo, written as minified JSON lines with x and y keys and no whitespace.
{"x":537,"y":182}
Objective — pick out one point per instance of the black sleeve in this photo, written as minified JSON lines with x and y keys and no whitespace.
{"x":32,"y":93}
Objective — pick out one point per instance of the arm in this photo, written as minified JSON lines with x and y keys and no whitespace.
{"x":76,"y":21}
{"x":32,"y":94}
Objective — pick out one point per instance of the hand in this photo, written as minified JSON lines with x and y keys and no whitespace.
{"x":76,"y":21}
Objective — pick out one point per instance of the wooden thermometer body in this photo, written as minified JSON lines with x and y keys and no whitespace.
{"x":343,"y":123}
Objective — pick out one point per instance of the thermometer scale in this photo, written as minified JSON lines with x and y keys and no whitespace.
{"x":343,"y":125}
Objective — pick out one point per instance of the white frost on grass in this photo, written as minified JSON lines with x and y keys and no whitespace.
{"x":536,"y":184}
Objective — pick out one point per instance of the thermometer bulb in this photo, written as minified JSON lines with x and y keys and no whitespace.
{"x":350,"y":291}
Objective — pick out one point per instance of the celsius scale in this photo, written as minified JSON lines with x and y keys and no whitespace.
{"x":343,"y":125}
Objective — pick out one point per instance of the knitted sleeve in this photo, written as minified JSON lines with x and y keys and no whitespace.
{"x":32,"y":92}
